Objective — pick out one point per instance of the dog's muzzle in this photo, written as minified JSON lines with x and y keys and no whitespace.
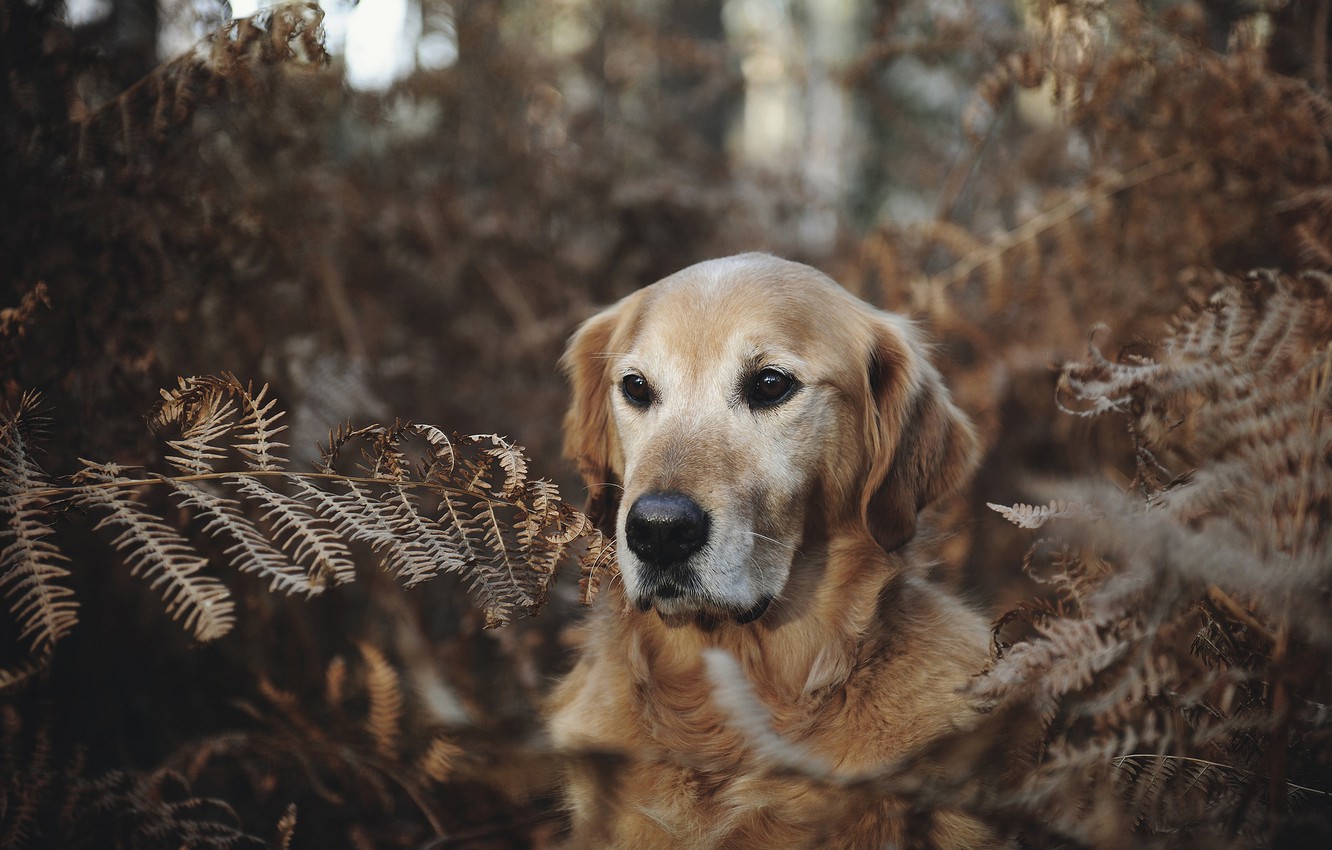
{"x":664,"y":530}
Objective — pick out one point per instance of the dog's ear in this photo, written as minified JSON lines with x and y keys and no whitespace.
{"x":921,"y":446}
{"x":589,"y":439}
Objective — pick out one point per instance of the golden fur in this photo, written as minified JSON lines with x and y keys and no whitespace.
{"x":811,"y":503}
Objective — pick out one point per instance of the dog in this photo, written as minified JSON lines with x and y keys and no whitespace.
{"x":760,"y":443}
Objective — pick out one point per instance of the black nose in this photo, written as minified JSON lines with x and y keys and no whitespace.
{"x":665,"y":528}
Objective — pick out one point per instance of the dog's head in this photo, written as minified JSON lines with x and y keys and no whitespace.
{"x":727,"y":415}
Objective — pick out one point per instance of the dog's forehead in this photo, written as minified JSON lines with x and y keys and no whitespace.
{"x":745,"y":305}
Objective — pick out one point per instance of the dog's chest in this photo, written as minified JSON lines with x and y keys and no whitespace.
{"x":674,"y":806}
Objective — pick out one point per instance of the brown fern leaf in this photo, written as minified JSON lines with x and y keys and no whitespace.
{"x":158,"y":552}
{"x":287,"y":35}
{"x":385,"y":691}
{"x":512,"y":459}
{"x":204,"y":408}
{"x":541,"y":499}
{"x":1238,"y":398}
{"x":441,"y":458}
{"x":430,"y":546}
{"x":31,"y":566}
{"x":459,"y":504}
{"x":14,"y":320}
{"x":286,"y":828}
{"x":433,"y":503}
{"x":1240,"y":388}
{"x":18,"y":676}
{"x":388,"y":459}
{"x":1310,"y":234}
{"x":595,"y":565}
{"x":205,"y":414}
{"x":335,"y":681}
{"x":506,"y":593}
{"x":150,"y":808}
{"x":1066,"y":657}
{"x":338,"y":439}
{"x":410,"y":547}
{"x":300,"y":532}
{"x":543,"y":526}
{"x":252,"y":551}
{"x":994,"y":88}
{"x":25,"y":760}
{"x":1034,"y":516}
{"x":437,"y":762}
{"x":258,"y":427}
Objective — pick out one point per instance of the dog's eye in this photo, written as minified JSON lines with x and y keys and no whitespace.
{"x":636,"y":390}
{"x":770,"y":387}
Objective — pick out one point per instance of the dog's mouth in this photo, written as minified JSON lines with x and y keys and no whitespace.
{"x":676,"y":605}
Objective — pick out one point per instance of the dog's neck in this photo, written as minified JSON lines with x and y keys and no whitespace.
{"x":806,"y":644}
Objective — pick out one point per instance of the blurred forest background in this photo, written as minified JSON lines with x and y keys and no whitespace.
{"x":411,"y":231}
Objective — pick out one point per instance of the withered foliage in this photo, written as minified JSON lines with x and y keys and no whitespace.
{"x":422,"y":502}
{"x":1111,"y":158}
{"x":1183,"y":657}
{"x":459,"y":504}
{"x":1079,"y":170}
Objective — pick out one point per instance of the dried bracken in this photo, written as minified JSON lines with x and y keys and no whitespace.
{"x":1195,"y":612}
{"x":1019,"y":176}
{"x":31,"y":566}
{"x":448,"y":504}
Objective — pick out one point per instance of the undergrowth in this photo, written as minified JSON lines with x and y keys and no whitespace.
{"x":216,"y":639}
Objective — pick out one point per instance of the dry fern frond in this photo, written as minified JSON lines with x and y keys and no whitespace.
{"x":147,"y":809}
{"x":385,"y":692}
{"x":993,"y":89}
{"x":426,"y":504}
{"x":1182,"y":607}
{"x":14,"y":320}
{"x":286,"y":828}
{"x":1067,"y":656}
{"x":287,"y":34}
{"x":30,"y":564}
{"x":204,"y":408}
{"x":259,"y":427}
{"x":1034,"y":516}
{"x":158,"y":553}
{"x":437,"y":762}
{"x":25,"y":762}
{"x":514,"y":463}
{"x":357,"y":515}
{"x":371,"y":762}
{"x":15,"y":677}
{"x":597,"y":562}
{"x":253,"y":552}
{"x":1240,"y":392}
{"x":301,"y":532}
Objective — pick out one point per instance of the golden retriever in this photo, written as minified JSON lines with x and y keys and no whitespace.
{"x":760,"y":443}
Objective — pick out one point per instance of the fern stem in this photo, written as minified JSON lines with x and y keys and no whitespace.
{"x":130,"y":483}
{"x":1224,"y":601}
{"x":1062,"y":212}
{"x":1293,"y":786}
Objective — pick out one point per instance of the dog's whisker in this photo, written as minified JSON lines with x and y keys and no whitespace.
{"x":793,"y":548}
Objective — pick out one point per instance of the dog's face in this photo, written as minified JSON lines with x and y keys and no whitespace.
{"x":737,"y":410}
